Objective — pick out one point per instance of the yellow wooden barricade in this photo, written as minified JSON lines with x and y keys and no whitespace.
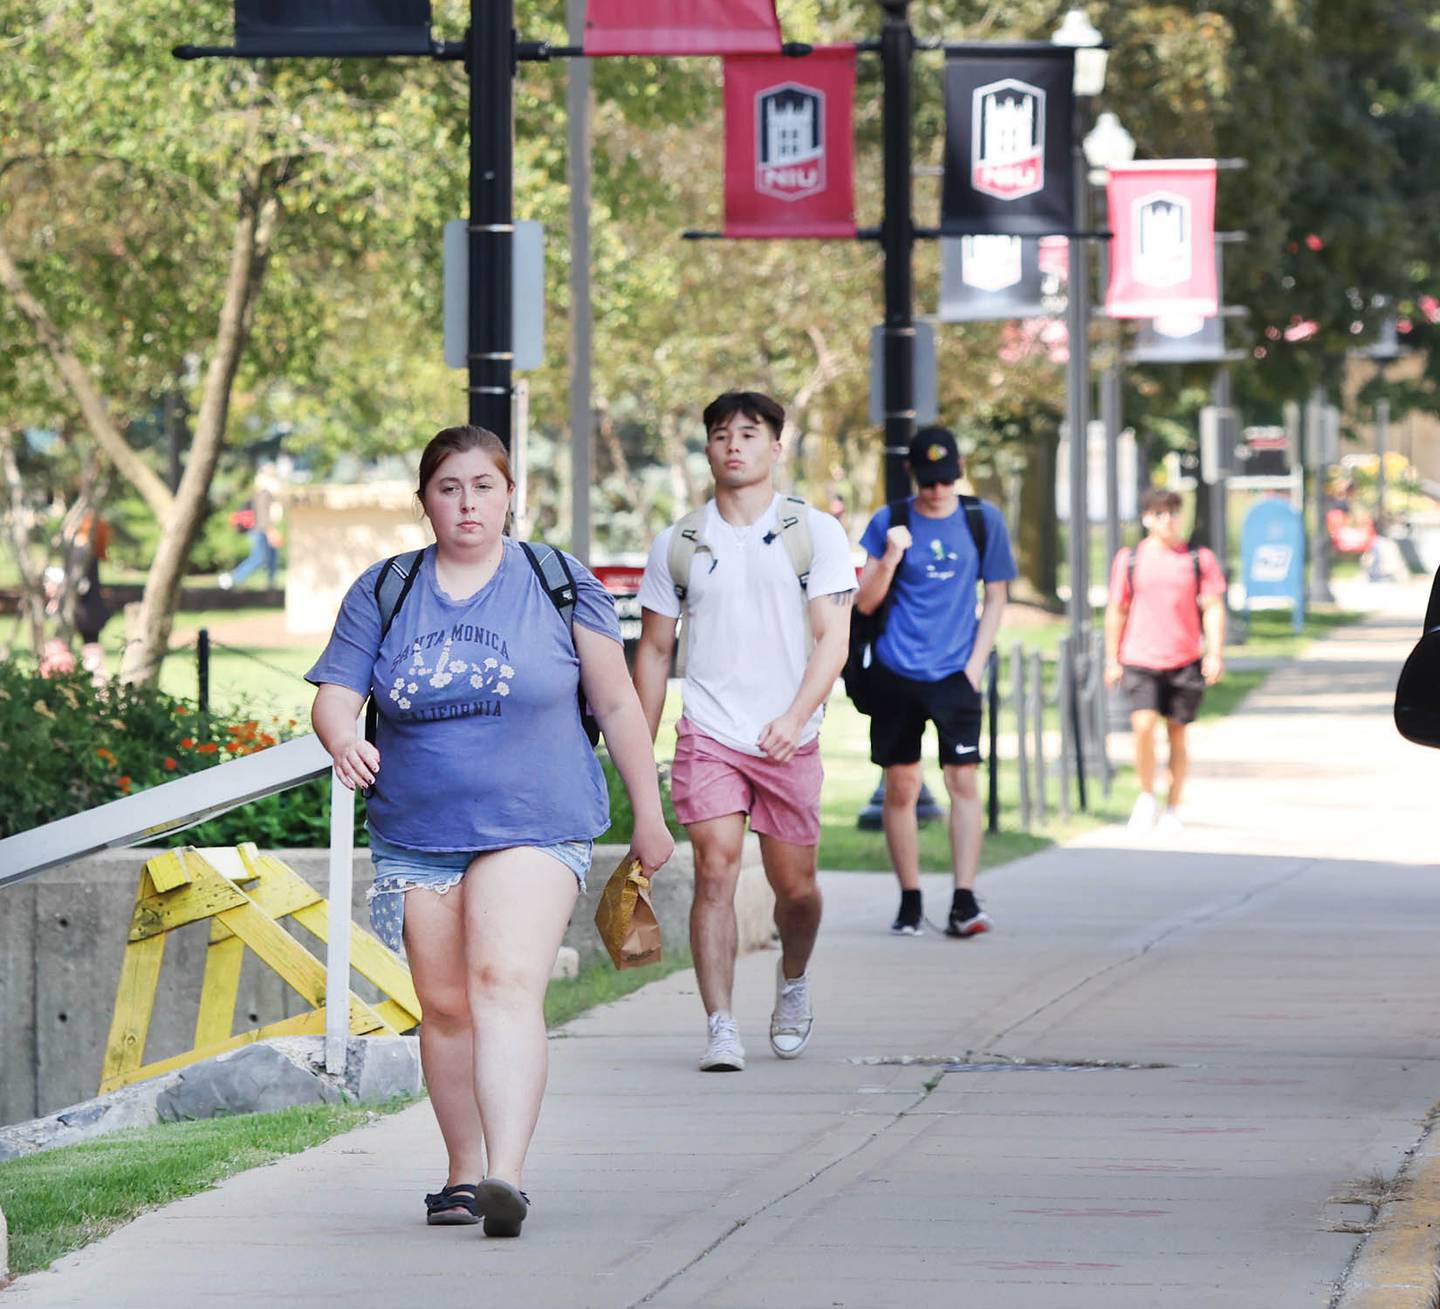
{"x":183,"y":886}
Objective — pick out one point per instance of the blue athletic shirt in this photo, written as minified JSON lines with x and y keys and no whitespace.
{"x":481,"y":744}
{"x":930,"y":631}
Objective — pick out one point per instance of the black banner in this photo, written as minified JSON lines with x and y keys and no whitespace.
{"x":1007,"y":144}
{"x":333,"y":27}
{"x":987,"y":277}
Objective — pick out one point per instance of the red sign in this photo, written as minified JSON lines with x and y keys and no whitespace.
{"x":681,"y":27}
{"x":789,"y":156}
{"x":1162,"y":260}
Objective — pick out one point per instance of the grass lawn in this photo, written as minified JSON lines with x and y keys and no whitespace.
{"x":60,"y":1200}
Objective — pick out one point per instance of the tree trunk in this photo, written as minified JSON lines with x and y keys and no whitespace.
{"x":31,"y":609}
{"x":259,"y":214}
{"x":1038,"y":541}
{"x":77,"y":381}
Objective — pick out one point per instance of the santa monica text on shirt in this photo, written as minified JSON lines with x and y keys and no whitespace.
{"x":460,"y":633}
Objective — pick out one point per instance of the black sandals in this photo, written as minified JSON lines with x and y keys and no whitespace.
{"x":503,"y":1205}
{"x":453,"y":1206}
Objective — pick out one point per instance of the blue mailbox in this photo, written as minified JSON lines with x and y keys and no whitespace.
{"x":1272,"y":555}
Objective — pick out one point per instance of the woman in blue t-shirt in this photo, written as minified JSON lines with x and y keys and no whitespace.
{"x":482,"y":782}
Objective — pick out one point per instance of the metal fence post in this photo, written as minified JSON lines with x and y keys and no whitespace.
{"x":1062,"y":703}
{"x":993,"y":695}
{"x":1017,"y":684}
{"x":202,"y":670}
{"x":1037,"y":698}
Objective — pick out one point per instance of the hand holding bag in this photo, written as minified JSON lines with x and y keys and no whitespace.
{"x":626,"y":918}
{"x":1417,"y":694}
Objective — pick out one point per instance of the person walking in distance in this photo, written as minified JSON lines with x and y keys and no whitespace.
{"x":926,"y":556}
{"x":484,"y":795}
{"x":761,"y":585}
{"x":1164,"y":644}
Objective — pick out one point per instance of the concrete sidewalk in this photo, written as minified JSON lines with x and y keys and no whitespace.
{"x":1228,"y":1033}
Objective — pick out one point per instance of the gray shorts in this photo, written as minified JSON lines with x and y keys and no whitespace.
{"x":399,"y":869}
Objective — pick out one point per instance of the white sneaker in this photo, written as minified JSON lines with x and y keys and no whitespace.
{"x":1169,"y":824}
{"x":1144,"y":814}
{"x":724,"y":1053}
{"x":792,"y":1020}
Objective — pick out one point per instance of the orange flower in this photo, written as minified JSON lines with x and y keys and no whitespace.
{"x":266,"y":740}
{"x":103,"y":753}
{"x":208,"y":748}
{"x":292,"y":722}
{"x":181,"y":710}
{"x":170,"y":764}
{"x":186,"y":742}
{"x":124,"y":783}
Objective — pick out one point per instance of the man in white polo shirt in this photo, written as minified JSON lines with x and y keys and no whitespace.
{"x":764,"y":583}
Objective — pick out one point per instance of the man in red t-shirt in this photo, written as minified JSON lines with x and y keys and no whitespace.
{"x":1164,"y":638}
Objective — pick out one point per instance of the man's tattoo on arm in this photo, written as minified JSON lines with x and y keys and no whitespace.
{"x":843,"y":599}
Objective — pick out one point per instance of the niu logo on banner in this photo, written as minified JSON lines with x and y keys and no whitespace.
{"x":1163,"y":253}
{"x":990,"y":263}
{"x":790,"y":161}
{"x":1007,"y":156}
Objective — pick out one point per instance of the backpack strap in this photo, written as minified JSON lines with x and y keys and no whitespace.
{"x":686,"y":542}
{"x":392,"y":585}
{"x":975,"y":521}
{"x":794,"y":531}
{"x":555,"y":576}
{"x":559,"y":583}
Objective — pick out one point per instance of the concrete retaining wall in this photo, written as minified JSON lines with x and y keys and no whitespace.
{"x":63,"y":934}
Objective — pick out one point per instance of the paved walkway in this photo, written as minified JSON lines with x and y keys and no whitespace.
{"x":1261,"y":996}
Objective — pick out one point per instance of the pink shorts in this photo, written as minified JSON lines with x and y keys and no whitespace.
{"x":710,"y":780}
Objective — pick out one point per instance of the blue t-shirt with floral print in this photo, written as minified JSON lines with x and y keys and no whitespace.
{"x":481,"y":744}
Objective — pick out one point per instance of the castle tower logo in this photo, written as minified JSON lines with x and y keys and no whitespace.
{"x":1163,"y":248}
{"x":991,"y":263}
{"x":790,"y":153}
{"x":1007,"y":154}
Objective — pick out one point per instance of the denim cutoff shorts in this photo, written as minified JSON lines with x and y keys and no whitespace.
{"x":399,"y":869}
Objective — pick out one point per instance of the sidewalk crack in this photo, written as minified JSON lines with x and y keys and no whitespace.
{"x":1194,"y":920}
{"x":920,"y":1097}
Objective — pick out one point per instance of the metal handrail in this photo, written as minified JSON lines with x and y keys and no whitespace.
{"x":173,"y":806}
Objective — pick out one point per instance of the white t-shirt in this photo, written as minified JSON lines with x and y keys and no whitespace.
{"x":749,"y":642}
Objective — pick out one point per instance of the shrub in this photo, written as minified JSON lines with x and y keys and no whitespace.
{"x":67,"y":746}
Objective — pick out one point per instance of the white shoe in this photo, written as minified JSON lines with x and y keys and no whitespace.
{"x":723,"y":1053}
{"x":1144,"y":814}
{"x":1169,"y":824}
{"x":793,"y":1018}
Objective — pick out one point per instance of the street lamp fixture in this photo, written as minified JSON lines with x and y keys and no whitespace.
{"x":1091,"y":57}
{"x":1108,"y":144}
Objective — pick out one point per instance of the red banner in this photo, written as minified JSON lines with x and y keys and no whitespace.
{"x":789,"y":154}
{"x":1162,"y":260}
{"x":681,"y":27}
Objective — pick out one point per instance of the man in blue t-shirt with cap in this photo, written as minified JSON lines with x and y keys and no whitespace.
{"x":930,"y":661}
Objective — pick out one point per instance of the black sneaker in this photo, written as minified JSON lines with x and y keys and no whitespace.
{"x":908,"y":920}
{"x":966,"y":916}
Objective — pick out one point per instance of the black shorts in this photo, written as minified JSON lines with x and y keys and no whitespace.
{"x":902,"y":708}
{"x":1173,"y":693}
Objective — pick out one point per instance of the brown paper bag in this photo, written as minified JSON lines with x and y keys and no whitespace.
{"x":626,"y":918}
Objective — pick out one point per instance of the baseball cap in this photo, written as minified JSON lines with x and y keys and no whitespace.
{"x":934,"y":456}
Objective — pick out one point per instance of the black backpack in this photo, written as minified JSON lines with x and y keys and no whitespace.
{"x":866,"y":629}
{"x":395,"y":579}
{"x":1417,"y":693}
